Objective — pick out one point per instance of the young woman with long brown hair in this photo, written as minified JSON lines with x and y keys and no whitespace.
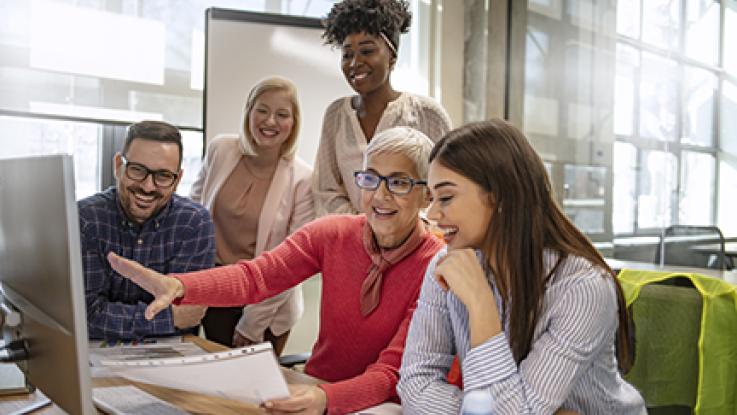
{"x":535,"y":314}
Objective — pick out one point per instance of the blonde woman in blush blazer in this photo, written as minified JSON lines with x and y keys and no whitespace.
{"x":260,"y":152}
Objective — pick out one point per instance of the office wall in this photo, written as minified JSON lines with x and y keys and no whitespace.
{"x":244,"y":47}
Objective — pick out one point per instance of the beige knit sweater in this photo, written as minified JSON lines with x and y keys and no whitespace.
{"x":342,"y":144}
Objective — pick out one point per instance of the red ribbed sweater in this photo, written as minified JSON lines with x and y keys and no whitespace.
{"x":359,"y":356}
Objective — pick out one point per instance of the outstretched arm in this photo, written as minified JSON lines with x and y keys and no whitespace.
{"x":164,"y":289}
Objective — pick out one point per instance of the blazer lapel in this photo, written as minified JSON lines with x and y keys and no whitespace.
{"x":279,"y":183}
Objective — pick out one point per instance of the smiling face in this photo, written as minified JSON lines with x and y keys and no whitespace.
{"x":271,"y":119}
{"x":461,"y":208}
{"x":392,"y":217}
{"x":141,"y":200}
{"x":367,"y":62}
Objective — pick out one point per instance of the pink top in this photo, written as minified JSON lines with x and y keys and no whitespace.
{"x":359,"y":355}
{"x":236,"y":212}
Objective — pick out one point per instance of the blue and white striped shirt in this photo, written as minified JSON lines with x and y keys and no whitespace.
{"x":571,"y":363}
{"x":180,"y":238}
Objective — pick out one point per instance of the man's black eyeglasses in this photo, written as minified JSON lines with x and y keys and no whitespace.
{"x":139,"y":173}
{"x":398,"y":185}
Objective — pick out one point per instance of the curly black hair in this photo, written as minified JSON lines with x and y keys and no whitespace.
{"x":390,"y":17}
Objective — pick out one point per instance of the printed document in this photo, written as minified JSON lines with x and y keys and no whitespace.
{"x":250,"y":374}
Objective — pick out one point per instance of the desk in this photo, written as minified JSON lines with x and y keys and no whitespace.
{"x":730,"y":249}
{"x":188,"y":401}
{"x":618,"y":265}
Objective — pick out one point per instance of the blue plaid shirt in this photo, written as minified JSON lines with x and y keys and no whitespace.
{"x":180,"y":238}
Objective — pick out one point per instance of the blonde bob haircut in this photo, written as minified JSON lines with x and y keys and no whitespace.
{"x":274,"y":83}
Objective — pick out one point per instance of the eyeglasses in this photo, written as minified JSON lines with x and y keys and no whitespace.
{"x":139,"y":173}
{"x":398,"y":185}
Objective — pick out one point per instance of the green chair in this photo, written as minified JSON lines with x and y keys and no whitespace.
{"x":685,"y":342}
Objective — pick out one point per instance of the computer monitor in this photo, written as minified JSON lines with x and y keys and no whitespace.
{"x":41,"y":276}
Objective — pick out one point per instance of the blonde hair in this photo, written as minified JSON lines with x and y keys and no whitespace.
{"x":274,"y":83}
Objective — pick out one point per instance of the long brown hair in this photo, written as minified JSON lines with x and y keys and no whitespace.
{"x":498,"y":157}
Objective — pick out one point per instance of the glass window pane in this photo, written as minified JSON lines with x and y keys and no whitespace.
{"x":728,"y":118}
{"x":30,"y":137}
{"x":730,"y":37}
{"x":584,"y":199}
{"x":191,"y":160}
{"x":658,"y":98}
{"x":628,"y":60}
{"x":727,"y":220}
{"x":702,"y":30}
{"x":658,"y":187}
{"x":660,"y":23}
{"x":700,"y":94}
{"x":628,"y":18}
{"x":587,"y":220}
{"x":697,"y":188}
{"x":624,"y":199}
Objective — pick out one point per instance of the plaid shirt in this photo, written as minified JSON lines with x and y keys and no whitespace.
{"x":180,"y":238}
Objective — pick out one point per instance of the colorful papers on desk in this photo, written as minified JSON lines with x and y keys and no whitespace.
{"x":250,"y":374}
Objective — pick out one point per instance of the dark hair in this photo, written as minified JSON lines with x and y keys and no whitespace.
{"x":498,"y":157}
{"x":390,"y":17}
{"x":154,"y":131}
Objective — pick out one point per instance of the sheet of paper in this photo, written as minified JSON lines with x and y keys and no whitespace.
{"x":143,"y":352}
{"x":124,"y":400}
{"x":138,"y":351}
{"x":23,"y":404}
{"x":250,"y":374}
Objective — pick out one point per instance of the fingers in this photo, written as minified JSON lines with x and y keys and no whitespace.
{"x":126,"y":267}
{"x":295,"y":403}
{"x":160,"y":303}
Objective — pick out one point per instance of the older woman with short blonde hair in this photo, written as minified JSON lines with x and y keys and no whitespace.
{"x":372,"y":266}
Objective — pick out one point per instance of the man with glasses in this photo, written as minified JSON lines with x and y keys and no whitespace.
{"x":141,"y":217}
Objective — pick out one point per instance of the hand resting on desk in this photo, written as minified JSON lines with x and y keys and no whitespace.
{"x":164,"y":289}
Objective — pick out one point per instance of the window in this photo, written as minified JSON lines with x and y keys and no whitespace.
{"x":90,"y":66}
{"x":666,"y":101}
{"x":639,"y":97}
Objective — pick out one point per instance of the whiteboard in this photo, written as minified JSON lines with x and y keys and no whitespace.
{"x":241,"y":48}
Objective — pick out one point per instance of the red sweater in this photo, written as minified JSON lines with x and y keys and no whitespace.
{"x":359,"y":355}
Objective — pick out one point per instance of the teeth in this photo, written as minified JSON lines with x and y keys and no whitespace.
{"x":384,"y":211}
{"x":360,"y":76}
{"x":450,"y":231}
{"x":270,"y":133}
{"x":146,"y":199}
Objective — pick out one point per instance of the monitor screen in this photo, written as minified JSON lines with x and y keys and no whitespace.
{"x":41,"y":275}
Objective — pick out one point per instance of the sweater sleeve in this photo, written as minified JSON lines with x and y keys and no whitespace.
{"x":246,"y":282}
{"x":433,"y":119}
{"x":328,"y":189}
{"x":377,"y":384}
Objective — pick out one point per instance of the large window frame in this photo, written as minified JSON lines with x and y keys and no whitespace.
{"x":677,"y":148}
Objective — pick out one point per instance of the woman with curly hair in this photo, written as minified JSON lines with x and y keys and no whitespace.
{"x":367,"y":32}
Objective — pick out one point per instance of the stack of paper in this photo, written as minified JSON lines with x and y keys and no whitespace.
{"x":250,"y":374}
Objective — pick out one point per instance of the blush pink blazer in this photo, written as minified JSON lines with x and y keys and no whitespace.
{"x":288,"y":206}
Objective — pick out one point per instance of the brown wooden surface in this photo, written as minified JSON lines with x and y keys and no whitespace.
{"x":188,"y":401}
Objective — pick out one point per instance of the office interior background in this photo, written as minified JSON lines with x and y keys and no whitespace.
{"x":631,"y":103}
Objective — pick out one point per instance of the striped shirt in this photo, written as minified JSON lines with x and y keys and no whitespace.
{"x":180,"y":238}
{"x":571,"y":363}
